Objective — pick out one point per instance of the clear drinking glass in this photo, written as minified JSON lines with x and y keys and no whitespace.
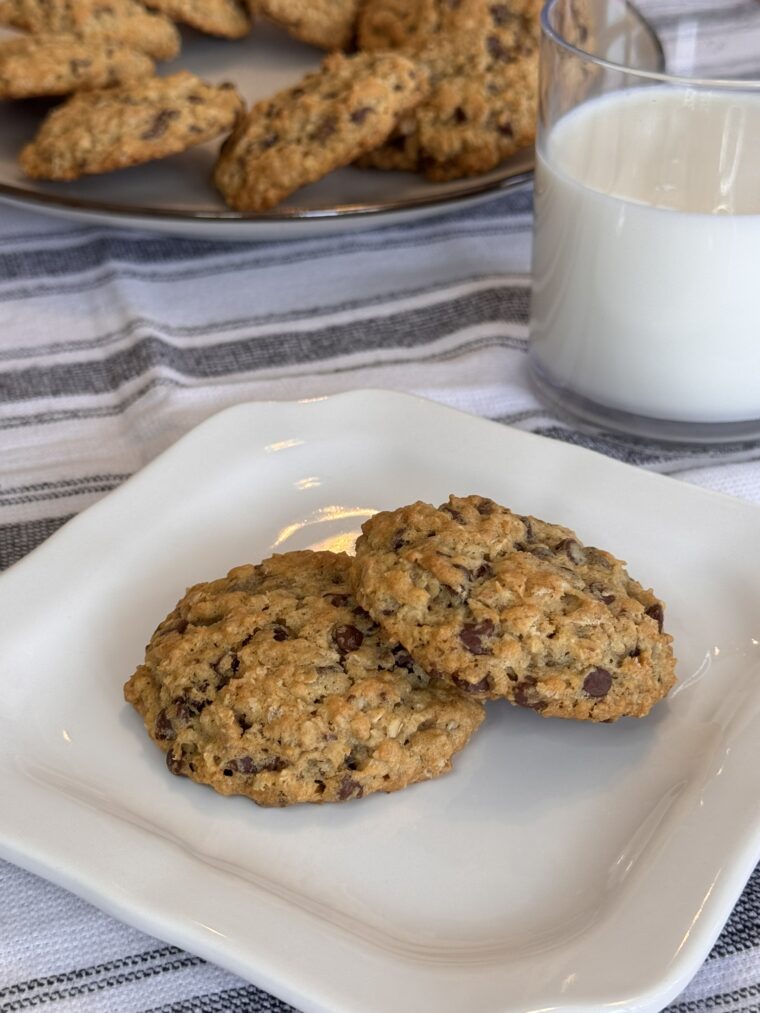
{"x":646,"y":265}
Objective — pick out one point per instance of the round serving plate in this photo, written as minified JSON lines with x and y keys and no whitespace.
{"x":175,"y":195}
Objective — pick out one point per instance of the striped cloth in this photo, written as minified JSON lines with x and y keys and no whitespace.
{"x":113,"y":344}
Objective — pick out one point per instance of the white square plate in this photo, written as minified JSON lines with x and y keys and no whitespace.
{"x":559,"y":866}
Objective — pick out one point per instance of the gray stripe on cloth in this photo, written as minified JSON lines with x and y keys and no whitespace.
{"x":656,"y":457}
{"x":722,"y":1001}
{"x":247,"y":999}
{"x":644,"y":454}
{"x":9,"y":422}
{"x":46,"y":491}
{"x":213,"y":269}
{"x":16,"y":540}
{"x":51,"y":981}
{"x":140,"y":247}
{"x":123,"y":248}
{"x":409,"y":329}
{"x":135,"y":324}
{"x":113,"y":980}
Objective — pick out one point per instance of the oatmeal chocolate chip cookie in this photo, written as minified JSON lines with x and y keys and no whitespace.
{"x":474,"y":123}
{"x":407,"y":24}
{"x":507,"y":606}
{"x":481,"y":107}
{"x":349,"y":106}
{"x":99,"y":131}
{"x":273,"y":683}
{"x":328,"y":24}
{"x":412,"y":24}
{"x":228,"y":19}
{"x":124,"y":21}
{"x":43,"y":65}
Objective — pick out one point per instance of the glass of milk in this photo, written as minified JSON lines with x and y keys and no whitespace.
{"x":646,"y":263}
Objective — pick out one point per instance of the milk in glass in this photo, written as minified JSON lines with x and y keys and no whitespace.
{"x":647,"y":253}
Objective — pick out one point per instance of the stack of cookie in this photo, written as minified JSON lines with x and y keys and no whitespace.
{"x":102,"y":55}
{"x":439,"y":87}
{"x":482,"y":61}
{"x":315,"y":677}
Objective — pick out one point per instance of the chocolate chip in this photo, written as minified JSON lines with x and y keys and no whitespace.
{"x":174,"y":762}
{"x":597,"y":683}
{"x":471,"y":687}
{"x":484,"y":570}
{"x":598,"y":558}
{"x":349,"y":789}
{"x":360,"y":115}
{"x":247,"y":765}
{"x":505,"y":129}
{"x":655,"y":612}
{"x":402,"y":658}
{"x":185,"y":708}
{"x":471,"y":634}
{"x":162,"y":729}
{"x":459,"y":566}
{"x":325,"y":129}
{"x":177,"y":627}
{"x":499,"y":13}
{"x":243,"y":721}
{"x":454,"y":514}
{"x":280,"y":633}
{"x":225,"y":668}
{"x":360,"y":612}
{"x":573,"y":550}
{"x":160,"y":122}
{"x":601,"y":592}
{"x":338,"y":600}
{"x":525,"y":697}
{"x":496,"y":48}
{"x":347,"y":638}
{"x":485,"y":507}
{"x":460,"y":116}
{"x":634,"y":652}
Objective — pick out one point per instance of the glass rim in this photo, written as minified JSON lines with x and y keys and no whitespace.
{"x":548,"y":30}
